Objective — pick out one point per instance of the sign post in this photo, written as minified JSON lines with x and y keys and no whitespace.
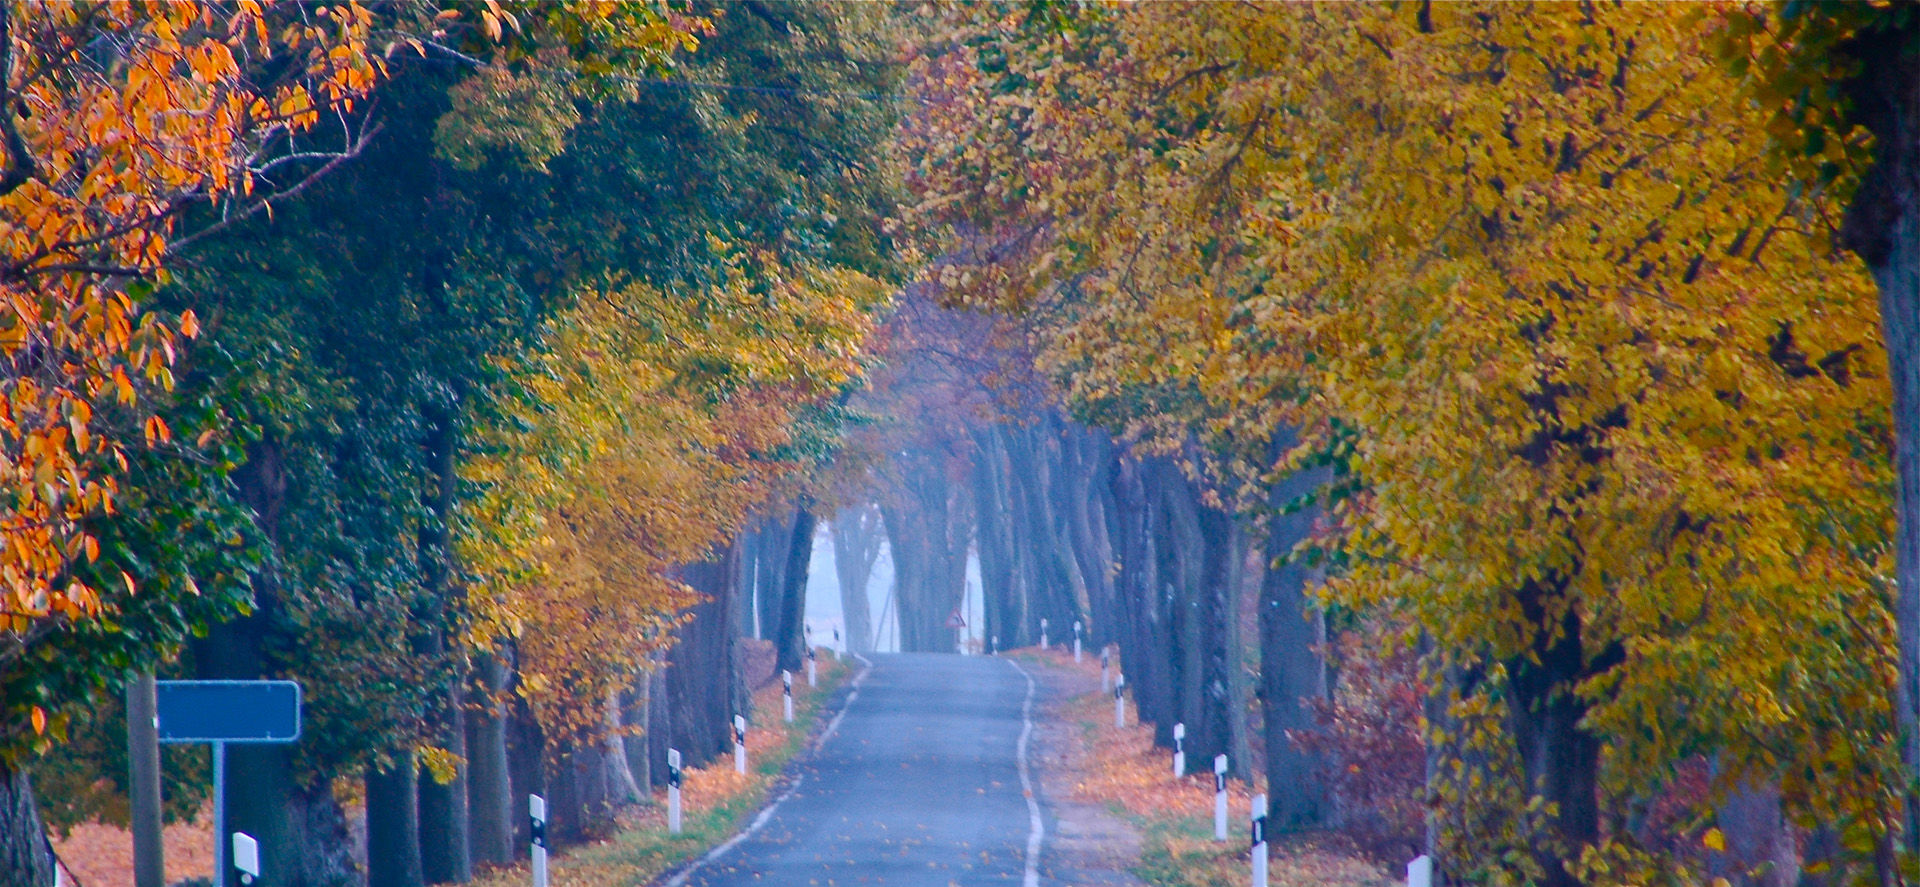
{"x":1219,"y":797}
{"x":740,"y":744}
{"x":222,"y":712}
{"x":1259,"y":822}
{"x":1179,"y":750}
{"x":537,"y":812}
{"x":1119,"y":702}
{"x":786,"y":693}
{"x":673,"y":791}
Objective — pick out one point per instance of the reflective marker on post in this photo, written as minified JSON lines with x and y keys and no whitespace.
{"x":246,"y":859}
{"x":1119,"y":702}
{"x":1043,"y":634}
{"x":1219,"y":797}
{"x":673,"y":791}
{"x":1076,"y":640}
{"x":740,"y":745}
{"x":1179,"y":750}
{"x":1259,"y":821}
{"x":786,"y":693}
{"x":537,"y":814}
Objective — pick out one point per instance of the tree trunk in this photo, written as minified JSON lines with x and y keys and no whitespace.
{"x":1292,"y":634}
{"x":526,"y":770}
{"x":25,"y":858}
{"x":635,"y":715}
{"x":489,"y":788}
{"x":1560,"y":759}
{"x":622,"y":789}
{"x":259,"y":789}
{"x":1761,"y":850}
{"x":790,"y":642}
{"x":1882,"y":226}
{"x":856,"y":546}
{"x":445,"y":857}
{"x":393,"y":825}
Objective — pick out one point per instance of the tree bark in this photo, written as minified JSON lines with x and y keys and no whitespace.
{"x":790,"y":641}
{"x":393,"y":825}
{"x":25,"y":858}
{"x":489,"y":789}
{"x":1882,"y":226}
{"x":856,"y":547}
{"x":1293,"y":669}
{"x":445,"y":856}
{"x":1559,"y":757}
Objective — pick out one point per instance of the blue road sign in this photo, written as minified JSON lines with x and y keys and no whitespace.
{"x":227,"y":711}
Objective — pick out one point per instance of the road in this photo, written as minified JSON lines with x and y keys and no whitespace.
{"x":919,"y":782}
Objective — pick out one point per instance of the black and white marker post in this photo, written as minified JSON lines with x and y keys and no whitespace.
{"x":786,"y":694}
{"x":246,"y":859}
{"x":1179,"y":750}
{"x":1106,"y":661}
{"x":993,"y":646}
{"x":673,"y":791}
{"x":740,"y":744}
{"x":1076,"y":640}
{"x":812,"y":674}
{"x":1119,"y":702}
{"x":1219,"y":797}
{"x":1258,"y":819}
{"x":537,"y":813}
{"x":1043,"y":635}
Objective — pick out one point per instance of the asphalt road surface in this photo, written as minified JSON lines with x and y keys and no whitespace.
{"x":919,"y":782}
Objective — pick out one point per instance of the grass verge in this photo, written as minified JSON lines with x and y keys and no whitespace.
{"x":1123,"y":770}
{"x":715,"y":801}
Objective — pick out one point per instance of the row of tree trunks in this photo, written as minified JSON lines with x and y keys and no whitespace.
{"x":857,"y":536}
{"x":929,"y":519}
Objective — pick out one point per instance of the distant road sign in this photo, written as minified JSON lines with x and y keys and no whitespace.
{"x":227,"y":711}
{"x":954,"y":620}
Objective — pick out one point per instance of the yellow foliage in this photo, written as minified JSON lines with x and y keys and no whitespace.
{"x":651,"y":427}
{"x":1522,"y":265}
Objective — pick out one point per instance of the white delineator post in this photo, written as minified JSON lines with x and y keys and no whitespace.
{"x":1076,"y":640}
{"x":673,"y":791}
{"x":1259,"y":822}
{"x":1106,"y":678}
{"x":993,"y":646}
{"x":786,"y":694}
{"x":1420,"y":871}
{"x":1119,"y":702}
{"x":537,"y":811}
{"x":1043,"y":634}
{"x":740,"y":744}
{"x":1219,"y":797}
{"x":812,"y":669}
{"x":1179,"y":750}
